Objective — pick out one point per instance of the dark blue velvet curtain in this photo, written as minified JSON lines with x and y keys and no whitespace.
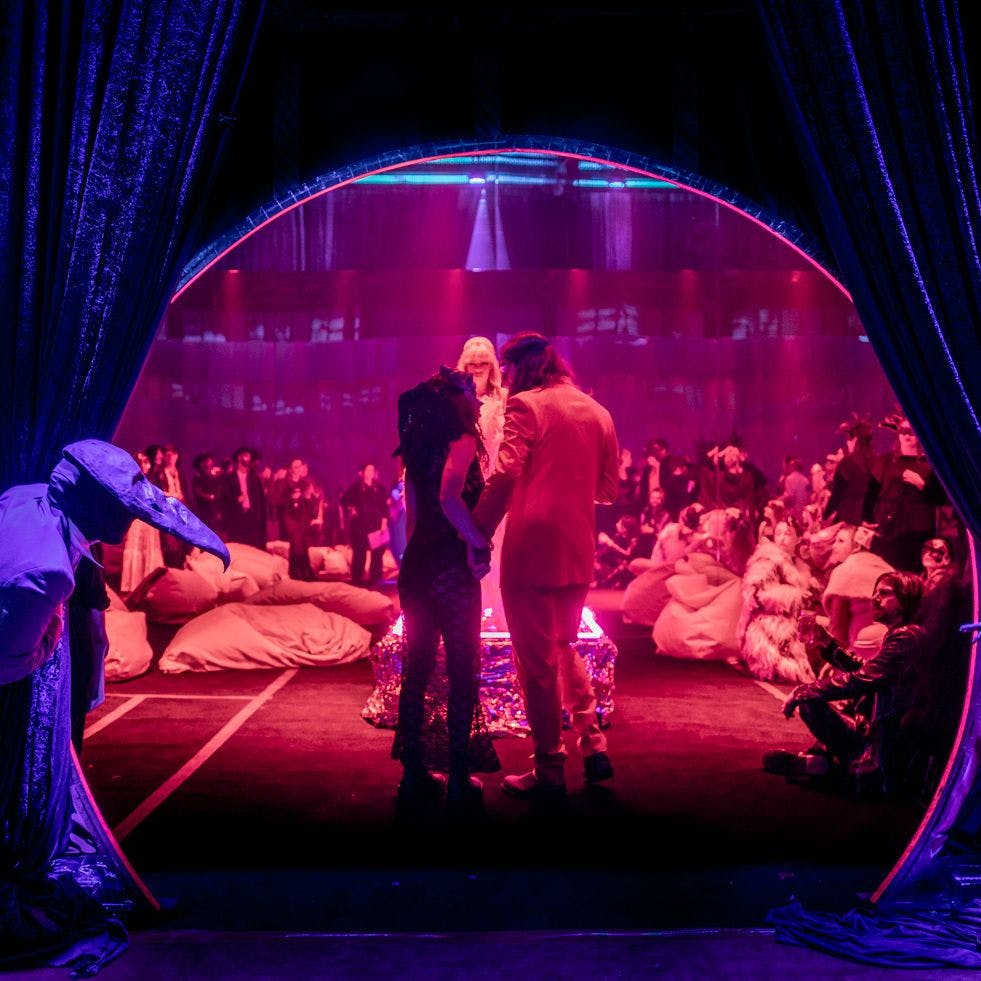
{"x":878,"y":94}
{"x":110,"y":127}
{"x":110,"y":124}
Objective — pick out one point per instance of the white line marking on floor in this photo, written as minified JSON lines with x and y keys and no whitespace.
{"x":188,"y":698}
{"x":772,"y":689}
{"x":765,"y":685}
{"x":110,"y":717}
{"x":172,"y":783}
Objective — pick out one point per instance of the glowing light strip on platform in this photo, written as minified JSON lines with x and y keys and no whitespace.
{"x":589,"y":629}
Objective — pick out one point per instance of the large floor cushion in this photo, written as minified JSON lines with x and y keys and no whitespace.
{"x":365,"y":606}
{"x":330,"y":562}
{"x":130,"y":653}
{"x":173,"y":596}
{"x":246,"y":636}
{"x":647,"y":595}
{"x":233,"y":585}
{"x":700,"y":621}
{"x":263,"y":567}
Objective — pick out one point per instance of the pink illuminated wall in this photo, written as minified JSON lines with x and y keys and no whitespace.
{"x":686,"y":319}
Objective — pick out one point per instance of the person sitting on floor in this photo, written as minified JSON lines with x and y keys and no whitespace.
{"x":930,"y":726}
{"x":846,"y":597}
{"x":775,"y":587}
{"x":862,"y":738}
{"x":614,"y":554}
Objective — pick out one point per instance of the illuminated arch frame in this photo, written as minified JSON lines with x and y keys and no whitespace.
{"x":942,"y":812}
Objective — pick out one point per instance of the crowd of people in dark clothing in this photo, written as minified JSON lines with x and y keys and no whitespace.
{"x":881,"y":698}
{"x":895,"y":494}
{"x":854,"y":580}
{"x":247,"y":501}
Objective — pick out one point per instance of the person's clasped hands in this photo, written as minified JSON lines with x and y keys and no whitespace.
{"x":478,"y":559}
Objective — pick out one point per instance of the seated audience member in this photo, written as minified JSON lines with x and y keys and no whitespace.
{"x":774,"y":513}
{"x":817,"y":545}
{"x":820,"y":493}
{"x":206,"y":490}
{"x":775,"y":588}
{"x":669,"y":472}
{"x":847,"y":596}
{"x":930,"y":725}
{"x":654,"y":516}
{"x":795,"y":489}
{"x":615,"y":553}
{"x":862,"y":737}
{"x":670,"y":545}
{"x":903,"y":497}
{"x":647,"y":594}
{"x":725,"y":482}
{"x":727,"y":535}
{"x":243,"y":502}
{"x":628,"y":495}
{"x":700,"y":619}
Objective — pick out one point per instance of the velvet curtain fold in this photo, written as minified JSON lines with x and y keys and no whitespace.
{"x":110,"y":127}
{"x":878,"y":95}
{"x":111,"y":117}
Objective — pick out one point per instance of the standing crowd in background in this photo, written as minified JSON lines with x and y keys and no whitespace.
{"x":247,"y":501}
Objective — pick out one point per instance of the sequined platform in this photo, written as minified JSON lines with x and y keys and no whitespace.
{"x":500,"y":698}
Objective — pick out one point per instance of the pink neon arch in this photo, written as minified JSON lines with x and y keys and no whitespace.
{"x":930,"y":817}
{"x":402,"y":164}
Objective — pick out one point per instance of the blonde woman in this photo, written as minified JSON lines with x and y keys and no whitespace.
{"x":479,"y":359}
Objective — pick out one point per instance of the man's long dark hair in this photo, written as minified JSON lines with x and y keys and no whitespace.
{"x":908,"y":589}
{"x":535,"y":363}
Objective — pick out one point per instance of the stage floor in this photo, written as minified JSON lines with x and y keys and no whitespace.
{"x":721,"y":955}
{"x":262,"y":801}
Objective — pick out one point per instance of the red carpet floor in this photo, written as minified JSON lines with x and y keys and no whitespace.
{"x":279,"y":814}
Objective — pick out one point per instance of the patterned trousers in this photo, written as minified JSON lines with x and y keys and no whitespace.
{"x":447,"y":607}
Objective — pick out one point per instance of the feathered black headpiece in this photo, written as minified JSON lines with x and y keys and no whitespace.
{"x":856,"y":426}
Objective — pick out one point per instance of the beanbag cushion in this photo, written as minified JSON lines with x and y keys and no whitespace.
{"x":264,"y":568}
{"x":279,"y":547}
{"x":232,"y":585}
{"x":173,"y":596}
{"x":647,"y":595}
{"x":365,"y":606}
{"x":115,"y":600}
{"x":701,"y":618}
{"x":249,"y":636}
{"x":330,"y":563}
{"x":129,"y":652}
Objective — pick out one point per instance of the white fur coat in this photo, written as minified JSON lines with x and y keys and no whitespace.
{"x":773,"y":595}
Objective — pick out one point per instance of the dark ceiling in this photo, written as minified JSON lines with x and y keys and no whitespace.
{"x":686,"y":84}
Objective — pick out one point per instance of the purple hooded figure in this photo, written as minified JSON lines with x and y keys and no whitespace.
{"x":93,"y":495}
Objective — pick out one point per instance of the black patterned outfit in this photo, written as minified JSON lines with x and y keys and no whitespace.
{"x":440,"y":599}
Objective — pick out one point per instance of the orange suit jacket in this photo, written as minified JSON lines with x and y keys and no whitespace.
{"x":558,"y":459}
